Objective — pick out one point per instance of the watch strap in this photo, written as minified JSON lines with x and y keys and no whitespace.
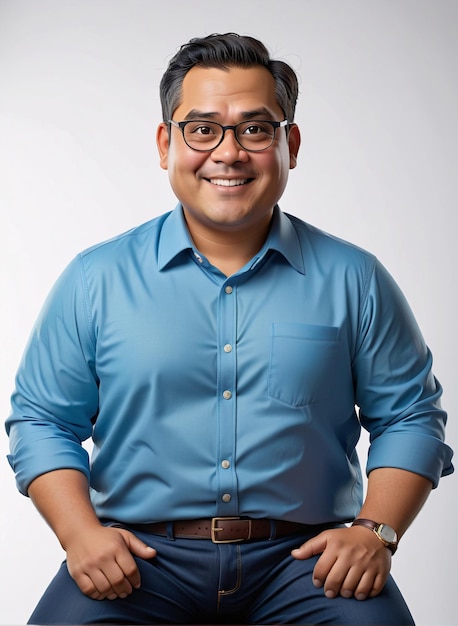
{"x":374,"y":526}
{"x":367,"y":523}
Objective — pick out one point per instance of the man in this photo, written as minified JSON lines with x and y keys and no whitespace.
{"x":215,"y":355}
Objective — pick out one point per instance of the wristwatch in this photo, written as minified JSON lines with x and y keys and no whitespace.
{"x":384,"y":532}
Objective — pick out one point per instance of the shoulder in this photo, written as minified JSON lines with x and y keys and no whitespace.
{"x":325,"y":249}
{"x":131,"y":242}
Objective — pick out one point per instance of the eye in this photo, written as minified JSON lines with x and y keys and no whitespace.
{"x":204,"y":130}
{"x":199,"y":128}
{"x":254,"y":129}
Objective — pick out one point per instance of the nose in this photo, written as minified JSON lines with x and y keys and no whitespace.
{"x":229,"y":150}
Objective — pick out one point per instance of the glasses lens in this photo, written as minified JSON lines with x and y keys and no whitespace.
{"x":255,"y":135}
{"x":202,"y":135}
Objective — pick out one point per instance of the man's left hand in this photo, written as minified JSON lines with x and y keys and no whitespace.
{"x":353,"y":562}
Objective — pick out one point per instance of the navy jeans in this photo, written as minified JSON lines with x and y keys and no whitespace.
{"x":197,"y":581}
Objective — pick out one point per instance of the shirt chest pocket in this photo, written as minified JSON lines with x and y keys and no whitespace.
{"x":302,"y":362}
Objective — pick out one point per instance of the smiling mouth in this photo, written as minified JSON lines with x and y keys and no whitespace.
{"x":229,"y":182}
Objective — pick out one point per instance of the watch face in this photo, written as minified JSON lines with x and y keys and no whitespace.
{"x":387,"y":533}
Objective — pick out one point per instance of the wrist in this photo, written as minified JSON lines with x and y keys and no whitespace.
{"x":383,"y":532}
{"x":69,"y":534}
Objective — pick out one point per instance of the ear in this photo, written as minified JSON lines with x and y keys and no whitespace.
{"x":162,"y":142}
{"x":294,"y":142}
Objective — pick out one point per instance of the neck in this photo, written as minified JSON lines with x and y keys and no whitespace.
{"x":229,"y":251}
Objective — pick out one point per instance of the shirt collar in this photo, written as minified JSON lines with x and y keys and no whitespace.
{"x":282,"y":238}
{"x":174,"y":238}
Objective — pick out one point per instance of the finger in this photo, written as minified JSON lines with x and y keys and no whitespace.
{"x":360,"y":579}
{"x":323,"y":568}
{"x":331,"y":575}
{"x":357,"y":583}
{"x":362,"y":585}
{"x":91,"y":583}
{"x":310,"y":548}
{"x":379,"y":583}
{"x":130,"y":574}
{"x":95,"y":585}
{"x":137,"y":546}
{"x":372,"y":583}
{"x":118,"y":580}
{"x":107,"y":581}
{"x":126,"y":561}
{"x":86,"y":585}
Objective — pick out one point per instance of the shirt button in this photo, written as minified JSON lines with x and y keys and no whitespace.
{"x":225,"y":464}
{"x":228,"y":289}
{"x":227,"y":395}
{"x":226,"y":497}
{"x":227,"y":348}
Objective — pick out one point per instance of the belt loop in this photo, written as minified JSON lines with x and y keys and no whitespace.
{"x":273,"y":529}
{"x":170,"y":533}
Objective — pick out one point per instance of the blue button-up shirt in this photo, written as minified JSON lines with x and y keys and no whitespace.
{"x":208,"y":395}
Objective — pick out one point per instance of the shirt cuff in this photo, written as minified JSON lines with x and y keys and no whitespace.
{"x":421,"y":454}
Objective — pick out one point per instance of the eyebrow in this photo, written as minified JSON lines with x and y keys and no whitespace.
{"x":261,"y":113}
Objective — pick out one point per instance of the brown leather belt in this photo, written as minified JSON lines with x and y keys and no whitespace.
{"x":229,"y":529}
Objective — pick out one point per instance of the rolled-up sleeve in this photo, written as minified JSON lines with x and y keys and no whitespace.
{"x":396,"y":391}
{"x":56,"y":395}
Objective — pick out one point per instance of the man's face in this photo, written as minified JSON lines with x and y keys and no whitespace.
{"x":200,"y":179}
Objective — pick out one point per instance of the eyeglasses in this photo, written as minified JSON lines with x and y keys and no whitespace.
{"x":252,"y":135}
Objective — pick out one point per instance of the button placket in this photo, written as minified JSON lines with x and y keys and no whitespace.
{"x":227,"y":480}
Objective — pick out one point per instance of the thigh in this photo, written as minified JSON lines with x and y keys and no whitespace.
{"x":63,"y":603}
{"x":290,"y":597}
{"x":175,"y":586}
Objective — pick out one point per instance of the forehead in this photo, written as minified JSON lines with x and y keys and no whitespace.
{"x":231,"y":91}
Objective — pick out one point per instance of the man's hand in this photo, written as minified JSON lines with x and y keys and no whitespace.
{"x":99,"y":558}
{"x":353,"y":562}
{"x":101,"y":563}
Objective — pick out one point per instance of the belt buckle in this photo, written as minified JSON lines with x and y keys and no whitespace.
{"x":215,"y":529}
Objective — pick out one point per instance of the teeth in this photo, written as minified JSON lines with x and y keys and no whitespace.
{"x":233,"y":182}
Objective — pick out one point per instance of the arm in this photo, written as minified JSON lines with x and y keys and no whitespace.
{"x":353,"y":560}
{"x":99,"y":558}
{"x":399,"y":401}
{"x":55,"y":400}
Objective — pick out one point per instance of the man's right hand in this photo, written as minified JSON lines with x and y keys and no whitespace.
{"x":99,"y":558}
{"x":101,"y":563}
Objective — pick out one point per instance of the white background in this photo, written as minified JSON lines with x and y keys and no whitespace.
{"x":378,"y":166}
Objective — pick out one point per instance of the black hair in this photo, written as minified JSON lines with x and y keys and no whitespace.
{"x":224,"y":51}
